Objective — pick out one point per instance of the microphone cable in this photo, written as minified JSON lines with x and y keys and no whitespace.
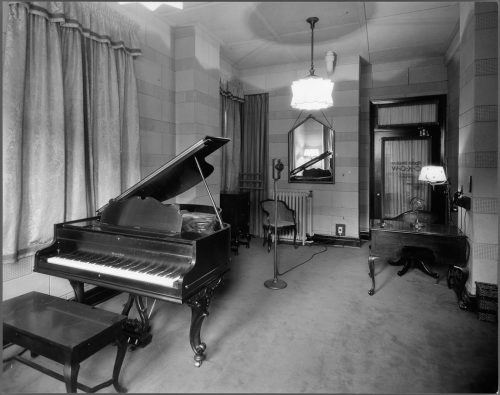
{"x":301,"y":263}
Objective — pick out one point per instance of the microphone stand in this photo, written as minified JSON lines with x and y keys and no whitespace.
{"x":276,"y":283}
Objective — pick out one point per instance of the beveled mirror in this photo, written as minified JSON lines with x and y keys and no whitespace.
{"x":311,"y":152}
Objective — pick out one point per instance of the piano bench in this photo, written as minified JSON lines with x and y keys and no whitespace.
{"x":64,"y":331}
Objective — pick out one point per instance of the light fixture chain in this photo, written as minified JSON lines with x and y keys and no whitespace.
{"x":312,"y":21}
{"x":312,"y":49}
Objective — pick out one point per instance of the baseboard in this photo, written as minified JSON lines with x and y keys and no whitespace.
{"x":364,"y":235}
{"x":336,"y":240}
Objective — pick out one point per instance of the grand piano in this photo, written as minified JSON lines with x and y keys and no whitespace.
{"x":136,"y":244}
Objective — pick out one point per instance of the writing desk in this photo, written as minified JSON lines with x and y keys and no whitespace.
{"x":447,"y":242}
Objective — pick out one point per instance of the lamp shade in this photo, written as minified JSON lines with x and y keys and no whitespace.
{"x":432,"y":174}
{"x":312,"y":93}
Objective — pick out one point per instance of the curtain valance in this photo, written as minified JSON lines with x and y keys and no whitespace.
{"x":94,"y":20}
{"x":232,"y":89}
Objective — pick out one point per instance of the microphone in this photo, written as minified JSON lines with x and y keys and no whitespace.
{"x":277,"y":169}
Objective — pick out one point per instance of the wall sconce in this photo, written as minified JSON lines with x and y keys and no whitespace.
{"x":330,"y":59}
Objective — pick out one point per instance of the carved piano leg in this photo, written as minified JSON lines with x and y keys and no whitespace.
{"x":199,"y":310}
{"x":407,"y":265}
{"x":128,"y":305}
{"x":78,"y":289}
{"x":371,"y":273}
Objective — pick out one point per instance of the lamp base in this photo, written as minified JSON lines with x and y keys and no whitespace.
{"x":275,"y":283}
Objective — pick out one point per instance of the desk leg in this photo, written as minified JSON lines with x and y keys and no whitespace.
{"x":120,"y":356}
{"x":70,"y":376}
{"x":371,"y":273}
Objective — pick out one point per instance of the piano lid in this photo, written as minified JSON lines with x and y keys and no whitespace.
{"x":177,"y":175}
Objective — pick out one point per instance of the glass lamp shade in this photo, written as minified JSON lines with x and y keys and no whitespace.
{"x":312,"y":93}
{"x":432,"y":175}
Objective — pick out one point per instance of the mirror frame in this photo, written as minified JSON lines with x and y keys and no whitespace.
{"x":291,"y":154}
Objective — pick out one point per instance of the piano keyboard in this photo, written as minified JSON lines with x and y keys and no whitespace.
{"x":147,"y":272}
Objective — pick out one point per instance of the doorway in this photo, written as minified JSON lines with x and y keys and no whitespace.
{"x":406,"y":134}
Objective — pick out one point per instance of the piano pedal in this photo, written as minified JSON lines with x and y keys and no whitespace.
{"x":137,"y":334}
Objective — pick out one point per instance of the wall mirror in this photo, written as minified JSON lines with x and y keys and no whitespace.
{"x":311,"y":152}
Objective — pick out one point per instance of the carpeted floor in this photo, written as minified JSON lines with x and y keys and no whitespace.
{"x":323,"y":333}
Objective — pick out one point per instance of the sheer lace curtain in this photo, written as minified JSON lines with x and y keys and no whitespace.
{"x":70,"y":117}
{"x":231,"y":98}
{"x":403,"y":160}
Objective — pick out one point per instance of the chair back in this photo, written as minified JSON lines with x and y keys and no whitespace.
{"x":285,"y":213}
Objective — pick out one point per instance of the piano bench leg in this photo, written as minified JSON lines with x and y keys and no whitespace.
{"x":121,"y":343}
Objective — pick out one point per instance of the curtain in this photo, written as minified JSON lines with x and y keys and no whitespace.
{"x":407,"y":114}
{"x":403,"y":160}
{"x":255,"y":153}
{"x":231,"y":98}
{"x":70,"y":117}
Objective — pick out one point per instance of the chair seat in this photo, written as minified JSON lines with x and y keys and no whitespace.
{"x":282,"y":224}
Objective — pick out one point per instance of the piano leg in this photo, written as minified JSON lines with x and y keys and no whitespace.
{"x":199,"y":310}
{"x":128,"y":305}
{"x":78,"y":289}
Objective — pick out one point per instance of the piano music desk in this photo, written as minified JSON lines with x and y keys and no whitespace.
{"x":63,"y":331}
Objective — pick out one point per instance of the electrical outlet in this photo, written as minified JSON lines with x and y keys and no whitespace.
{"x":340,"y":229}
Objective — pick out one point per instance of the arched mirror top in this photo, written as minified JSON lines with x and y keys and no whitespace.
{"x":311,"y":152}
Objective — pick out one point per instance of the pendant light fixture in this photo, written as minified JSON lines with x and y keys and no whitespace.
{"x":312,"y":92}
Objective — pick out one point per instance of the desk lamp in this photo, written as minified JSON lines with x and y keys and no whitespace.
{"x":435,"y":175}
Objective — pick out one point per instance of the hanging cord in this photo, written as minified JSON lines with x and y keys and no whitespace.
{"x":301,"y":263}
{"x":327,"y":121}
{"x":295,"y":123}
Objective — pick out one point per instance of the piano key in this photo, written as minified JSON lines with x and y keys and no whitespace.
{"x":113,"y":271}
{"x":158,"y":269}
{"x":166,"y":272}
{"x":148,"y":267}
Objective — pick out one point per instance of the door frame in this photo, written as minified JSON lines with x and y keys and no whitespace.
{"x":436,"y":131}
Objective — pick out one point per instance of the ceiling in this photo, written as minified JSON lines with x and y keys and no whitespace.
{"x":254,"y":34}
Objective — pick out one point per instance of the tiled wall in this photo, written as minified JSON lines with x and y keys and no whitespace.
{"x":197,"y":101}
{"x":332,"y":203}
{"x":155,"y":87}
{"x":478,"y":136}
{"x":415,"y":77}
{"x":452,"y":113}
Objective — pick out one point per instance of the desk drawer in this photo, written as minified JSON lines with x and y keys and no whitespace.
{"x":448,"y":249}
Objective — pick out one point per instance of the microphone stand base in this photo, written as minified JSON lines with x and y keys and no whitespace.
{"x":275,"y":283}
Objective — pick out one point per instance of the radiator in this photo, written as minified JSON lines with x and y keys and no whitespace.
{"x":301,"y":203}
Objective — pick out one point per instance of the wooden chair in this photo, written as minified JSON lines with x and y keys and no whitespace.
{"x":285,"y":221}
